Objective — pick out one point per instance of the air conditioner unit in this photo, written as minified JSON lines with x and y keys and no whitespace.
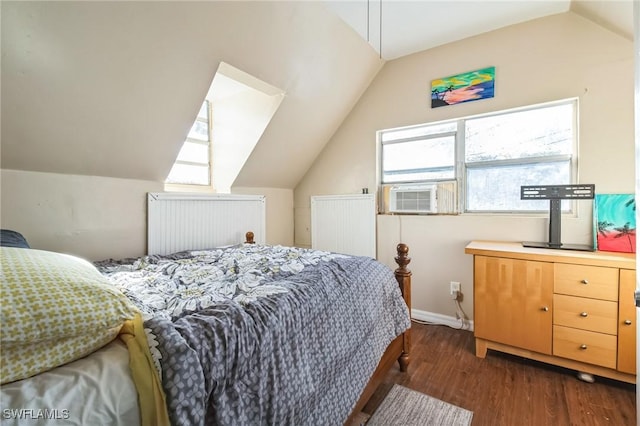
{"x":413,"y":199}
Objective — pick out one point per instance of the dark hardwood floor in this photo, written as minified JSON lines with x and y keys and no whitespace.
{"x":503,"y":389}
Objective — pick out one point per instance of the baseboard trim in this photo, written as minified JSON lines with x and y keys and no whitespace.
{"x":439,"y":319}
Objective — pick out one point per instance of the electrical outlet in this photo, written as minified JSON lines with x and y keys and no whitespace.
{"x":455,"y":288}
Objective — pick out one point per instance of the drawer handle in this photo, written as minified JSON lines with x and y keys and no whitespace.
{"x":585,"y":281}
{"x":627,"y":322}
{"x":583,"y":314}
{"x":545,"y":308}
{"x":583,"y":347}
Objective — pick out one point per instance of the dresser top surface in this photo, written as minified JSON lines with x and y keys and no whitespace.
{"x":517,"y":251}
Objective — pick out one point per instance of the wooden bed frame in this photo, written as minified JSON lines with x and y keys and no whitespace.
{"x":398,"y":349}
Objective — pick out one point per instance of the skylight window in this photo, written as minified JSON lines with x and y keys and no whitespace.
{"x":212,"y":156}
{"x":193,"y":165}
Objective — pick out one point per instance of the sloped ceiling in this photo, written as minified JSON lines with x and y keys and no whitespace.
{"x":614,"y":15}
{"x":112,"y":88}
{"x":410,"y":26}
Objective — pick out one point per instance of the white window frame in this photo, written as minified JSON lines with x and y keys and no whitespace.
{"x":189,"y":187}
{"x":461,"y":167}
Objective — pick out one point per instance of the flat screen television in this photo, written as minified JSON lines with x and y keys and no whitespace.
{"x":556,"y":193}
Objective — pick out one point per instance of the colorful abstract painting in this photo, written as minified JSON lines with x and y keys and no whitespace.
{"x":466,"y":87}
{"x":615,"y":222}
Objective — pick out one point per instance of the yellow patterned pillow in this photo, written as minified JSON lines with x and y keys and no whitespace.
{"x":20,"y":361}
{"x":47,"y":296}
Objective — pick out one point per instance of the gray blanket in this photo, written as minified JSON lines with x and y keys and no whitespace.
{"x":263,"y":335}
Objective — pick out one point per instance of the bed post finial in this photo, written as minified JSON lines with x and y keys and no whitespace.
{"x":403,"y":259}
{"x":249,"y":238}
{"x":403,"y":276}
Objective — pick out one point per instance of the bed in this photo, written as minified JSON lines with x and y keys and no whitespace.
{"x":246,"y":334}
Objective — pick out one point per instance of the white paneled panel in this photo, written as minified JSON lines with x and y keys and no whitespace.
{"x":178,"y":222}
{"x":344,"y":224}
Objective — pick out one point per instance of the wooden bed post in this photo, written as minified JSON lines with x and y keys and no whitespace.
{"x":398,"y":349}
{"x":403,"y":275}
{"x":249,"y":238}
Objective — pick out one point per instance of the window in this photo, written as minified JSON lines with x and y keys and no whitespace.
{"x":488,"y":156}
{"x":424,"y":153}
{"x":193,"y":165}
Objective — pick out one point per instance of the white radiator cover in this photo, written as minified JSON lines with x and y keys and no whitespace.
{"x":344,"y":224}
{"x":179,"y":221}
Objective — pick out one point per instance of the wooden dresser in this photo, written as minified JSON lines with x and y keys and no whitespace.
{"x":569,"y":308}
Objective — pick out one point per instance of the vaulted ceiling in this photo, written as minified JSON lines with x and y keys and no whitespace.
{"x":112,"y":88}
{"x":396,"y":28}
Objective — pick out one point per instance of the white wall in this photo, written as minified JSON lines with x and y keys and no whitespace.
{"x":551,"y":58}
{"x":88,"y":216}
{"x":279,"y":205}
{"x":243,"y":107}
{"x":98,"y":218}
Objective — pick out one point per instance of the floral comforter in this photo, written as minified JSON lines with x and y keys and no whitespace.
{"x":253,"y":335}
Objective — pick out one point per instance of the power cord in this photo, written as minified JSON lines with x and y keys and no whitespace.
{"x":460,"y":316}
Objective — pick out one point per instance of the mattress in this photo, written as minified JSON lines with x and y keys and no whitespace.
{"x":95,"y":390}
{"x":257,"y":334}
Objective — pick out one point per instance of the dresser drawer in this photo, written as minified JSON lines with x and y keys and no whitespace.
{"x":586,"y":281}
{"x":585,"y":346}
{"x":587,"y":314}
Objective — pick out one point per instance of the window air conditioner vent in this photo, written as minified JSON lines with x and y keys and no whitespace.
{"x":413,"y":199}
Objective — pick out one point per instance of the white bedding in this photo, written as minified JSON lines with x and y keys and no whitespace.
{"x":95,"y":390}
